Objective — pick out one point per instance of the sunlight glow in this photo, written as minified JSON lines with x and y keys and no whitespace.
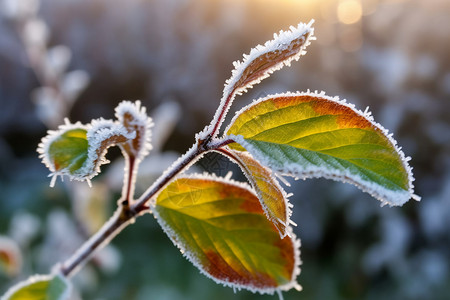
{"x":349,"y":11}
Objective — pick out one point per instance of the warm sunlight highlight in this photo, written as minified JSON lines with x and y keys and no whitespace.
{"x":349,"y":11}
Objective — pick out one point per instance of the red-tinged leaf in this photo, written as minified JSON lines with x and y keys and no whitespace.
{"x":221,"y":228}
{"x":312,"y":135}
{"x":135,"y":119}
{"x":264,"y":60}
{"x":261,"y":62}
{"x":271,"y":195}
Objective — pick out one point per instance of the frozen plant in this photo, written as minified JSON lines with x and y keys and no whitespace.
{"x":238,"y":234}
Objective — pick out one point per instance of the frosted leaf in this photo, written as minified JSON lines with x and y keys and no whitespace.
{"x":78,"y":150}
{"x":272,"y":197}
{"x":220,"y":226}
{"x":312,"y":135}
{"x":135,"y":119}
{"x":49,"y":287}
{"x":263,"y":61}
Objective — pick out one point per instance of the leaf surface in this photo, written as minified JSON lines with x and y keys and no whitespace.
{"x":221,"y":228}
{"x":79,"y":150}
{"x":135,"y":119}
{"x":312,"y":135}
{"x":262,"y":61}
{"x":40,"y":287}
{"x":271,"y":195}
{"x":272,"y":56}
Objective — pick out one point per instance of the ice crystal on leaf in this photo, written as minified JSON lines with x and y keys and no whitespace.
{"x":312,"y":135}
{"x":135,"y":119}
{"x":272,"y":196}
{"x":262,"y":61}
{"x":220,"y":226}
{"x":78,"y":150}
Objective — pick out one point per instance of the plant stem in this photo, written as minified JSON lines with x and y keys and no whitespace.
{"x":129,"y":180}
{"x":109,"y":230}
{"x":221,"y":113}
{"x":125,"y":214}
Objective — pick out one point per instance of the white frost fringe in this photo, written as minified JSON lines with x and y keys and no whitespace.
{"x":97,"y":132}
{"x":38,"y":278}
{"x":393,"y":198}
{"x":281,"y":41}
{"x":140,"y":120}
{"x":196,"y":260}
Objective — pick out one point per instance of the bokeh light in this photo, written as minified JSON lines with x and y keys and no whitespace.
{"x":349,"y":11}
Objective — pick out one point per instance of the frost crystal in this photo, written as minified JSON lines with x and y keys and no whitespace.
{"x":385,"y":195}
{"x":135,"y":119}
{"x":262,"y":61}
{"x":78,"y":150}
{"x":196,"y":260}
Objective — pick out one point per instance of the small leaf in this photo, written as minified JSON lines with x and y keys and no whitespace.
{"x":221,"y":228}
{"x":312,"y":135}
{"x":135,"y":119}
{"x":261,"y":62}
{"x":271,"y":195}
{"x":264,"y":60}
{"x":10,"y":257}
{"x":40,"y":287}
{"x":79,"y":150}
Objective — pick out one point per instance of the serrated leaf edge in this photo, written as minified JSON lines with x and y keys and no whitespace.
{"x":195,"y":261}
{"x":391,"y":198}
{"x":140,"y":119}
{"x":258,"y":191}
{"x":98,"y":131}
{"x":283,"y":38}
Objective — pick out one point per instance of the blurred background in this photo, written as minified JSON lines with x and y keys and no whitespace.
{"x":78,"y":59}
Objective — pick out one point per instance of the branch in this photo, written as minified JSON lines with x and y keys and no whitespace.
{"x":127,"y":211}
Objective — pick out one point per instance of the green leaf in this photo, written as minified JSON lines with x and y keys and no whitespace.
{"x":78,"y":150}
{"x":312,"y":135}
{"x":40,"y":287}
{"x":221,"y":228}
{"x":69,"y":150}
{"x":271,"y":195}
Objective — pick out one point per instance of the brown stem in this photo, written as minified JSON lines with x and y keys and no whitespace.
{"x":109,"y":230}
{"x":126,"y":213}
{"x":129,"y":180}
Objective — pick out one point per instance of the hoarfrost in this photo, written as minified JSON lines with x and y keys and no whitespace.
{"x":244,"y":75}
{"x":101,"y":134}
{"x":386,"y":196}
{"x":196,"y":261}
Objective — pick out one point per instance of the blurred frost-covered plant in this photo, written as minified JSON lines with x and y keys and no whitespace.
{"x":236,"y":233}
{"x":59,"y":88}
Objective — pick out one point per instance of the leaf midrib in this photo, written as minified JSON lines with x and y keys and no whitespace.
{"x":337,"y":158}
